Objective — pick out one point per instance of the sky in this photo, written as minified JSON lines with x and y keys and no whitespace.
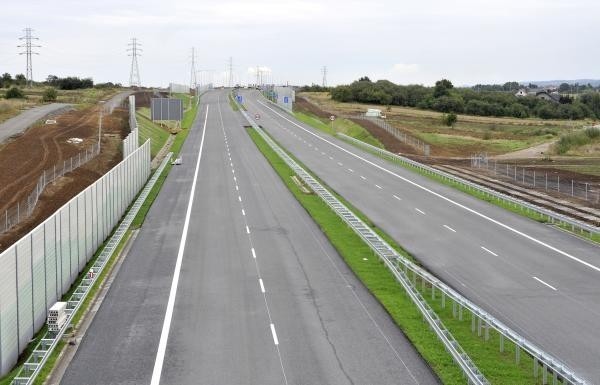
{"x":407,"y":42}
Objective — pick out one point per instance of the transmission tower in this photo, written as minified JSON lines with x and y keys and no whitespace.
{"x":230,"y":83}
{"x":193,"y":80}
{"x":29,"y":46}
{"x":324,"y":72}
{"x":134,"y":51}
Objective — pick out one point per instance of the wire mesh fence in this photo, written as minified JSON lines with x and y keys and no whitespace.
{"x":24,"y":208}
{"x":542,"y":180}
{"x":398,"y":134}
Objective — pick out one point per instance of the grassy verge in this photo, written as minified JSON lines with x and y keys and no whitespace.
{"x":233,"y":104}
{"x":149,"y":130}
{"x":344,"y":126}
{"x":499,"y":368}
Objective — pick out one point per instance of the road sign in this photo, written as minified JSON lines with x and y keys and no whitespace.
{"x":257,"y":116}
{"x":286,"y":99}
{"x":332,"y":118}
{"x":239,"y":98}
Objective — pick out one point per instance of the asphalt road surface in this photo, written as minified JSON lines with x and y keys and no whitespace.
{"x":542,"y":282}
{"x":238,"y":286}
{"x":25,"y":119}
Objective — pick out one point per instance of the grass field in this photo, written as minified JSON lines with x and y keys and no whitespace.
{"x":344,"y":126}
{"x":148,"y":130}
{"x":499,"y":368}
{"x":469,"y":135}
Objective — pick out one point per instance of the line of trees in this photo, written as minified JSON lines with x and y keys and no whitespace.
{"x":444,"y":97}
{"x":66,"y":83}
{"x":69,"y":83}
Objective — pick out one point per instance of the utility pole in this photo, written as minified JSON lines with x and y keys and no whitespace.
{"x":193,"y":79}
{"x":230,"y":82}
{"x":134,"y":74}
{"x":29,"y":51}
{"x":324,"y":72}
{"x":257,"y":75}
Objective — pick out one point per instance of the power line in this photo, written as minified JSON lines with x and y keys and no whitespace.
{"x":193,"y":80}
{"x":134,"y":51}
{"x":324,"y":72}
{"x":29,"y":51}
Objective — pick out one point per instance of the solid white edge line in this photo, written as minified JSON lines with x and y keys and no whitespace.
{"x":489,"y":251}
{"x":450,"y":228}
{"x":275,"y":340}
{"x":164,"y":334}
{"x":507,"y":227}
{"x":544,"y":283}
{"x":262,"y":285}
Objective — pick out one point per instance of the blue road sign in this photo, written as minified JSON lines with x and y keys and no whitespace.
{"x":286,"y":99}
{"x":239,"y":98}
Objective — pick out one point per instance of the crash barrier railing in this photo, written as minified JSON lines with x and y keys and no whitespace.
{"x":550,"y":215}
{"x":31,"y":368}
{"x":524,"y":176}
{"x":24,"y":208}
{"x":398,"y":134}
{"x":389,"y":256}
{"x":40,"y":267}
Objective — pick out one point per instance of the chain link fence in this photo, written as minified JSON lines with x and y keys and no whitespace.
{"x":24,"y":208}
{"x":542,"y":180}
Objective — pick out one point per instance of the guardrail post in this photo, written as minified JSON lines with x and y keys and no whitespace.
{"x":453,"y":309}
{"x":487,"y":332}
{"x":478,"y":327}
{"x":460,"y":312}
{"x":517,"y":354}
{"x":443,"y":300}
{"x":501,"y":343}
{"x":544,"y":374}
{"x":432,"y":292}
{"x":535,"y":367}
{"x":473,"y":316}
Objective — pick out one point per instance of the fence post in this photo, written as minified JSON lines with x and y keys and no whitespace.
{"x":558,"y":183}
{"x":534,"y":178}
{"x":546,"y":181}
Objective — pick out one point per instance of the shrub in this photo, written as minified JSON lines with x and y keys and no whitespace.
{"x":49,"y":95}
{"x":15,"y":93}
{"x":449,"y":119}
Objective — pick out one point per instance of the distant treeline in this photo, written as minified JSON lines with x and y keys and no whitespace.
{"x":443,"y":97}
{"x":66,"y":83}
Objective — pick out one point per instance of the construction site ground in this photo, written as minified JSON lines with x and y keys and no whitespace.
{"x":566,"y":168}
{"x":23,"y":159}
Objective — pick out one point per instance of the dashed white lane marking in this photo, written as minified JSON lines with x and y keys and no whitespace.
{"x":322,"y":153}
{"x":262,"y":285}
{"x":237,"y":188}
{"x":253,"y":253}
{"x":234,"y":179}
{"x":247,"y":229}
{"x":275,"y":340}
{"x":232,"y":171}
{"x":164,"y":334}
{"x":239,"y":198}
{"x":450,"y":228}
{"x":421,"y":211}
{"x":243,"y":212}
{"x":397,"y":197}
{"x":340,"y":164}
{"x":378,"y":186}
{"x":363,"y":178}
{"x":330,"y":158}
{"x":544,"y":283}
{"x":489,"y":251}
{"x":351,"y":170}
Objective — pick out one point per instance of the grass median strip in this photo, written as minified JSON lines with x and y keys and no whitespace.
{"x":498,"y":367}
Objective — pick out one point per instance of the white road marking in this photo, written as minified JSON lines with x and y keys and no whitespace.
{"x":275,"y":340}
{"x":232,"y":171}
{"x":363,"y":178}
{"x":234,"y":179}
{"x":378,"y":186}
{"x":331,"y":158}
{"x":489,"y":251}
{"x":421,"y":211}
{"x":322,"y":153}
{"x":397,"y":197}
{"x":243,"y":212}
{"x":164,"y":334}
{"x":351,"y":170}
{"x":450,"y":228}
{"x":237,"y":188}
{"x":262,"y":286}
{"x":247,"y":229}
{"x":253,"y":253}
{"x":340,"y":164}
{"x":475,"y":212}
{"x":239,"y":198}
{"x":544,"y":283}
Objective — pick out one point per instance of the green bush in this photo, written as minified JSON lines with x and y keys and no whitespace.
{"x":449,"y":119}
{"x":49,"y":95}
{"x":15,"y":93}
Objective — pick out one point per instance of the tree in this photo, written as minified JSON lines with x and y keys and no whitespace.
{"x":6,"y":80}
{"x":442,"y":88}
{"x":20,"y":79}
{"x":564,"y":87}
{"x":449,"y":119}
{"x":448,"y":104}
{"x":15,"y":93}
{"x":49,"y":95}
{"x":364,"y":79}
{"x":511,"y":86}
{"x":531,"y":85}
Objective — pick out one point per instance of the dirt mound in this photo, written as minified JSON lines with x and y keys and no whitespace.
{"x":41,"y":147}
{"x":142,"y":98}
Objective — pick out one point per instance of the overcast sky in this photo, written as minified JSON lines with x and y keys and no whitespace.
{"x":418,"y":41}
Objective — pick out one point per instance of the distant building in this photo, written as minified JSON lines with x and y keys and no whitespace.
{"x":549,"y":94}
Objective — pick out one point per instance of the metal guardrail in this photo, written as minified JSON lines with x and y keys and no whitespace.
{"x":390,"y":257}
{"x":552,"y":216}
{"x":32,"y":367}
